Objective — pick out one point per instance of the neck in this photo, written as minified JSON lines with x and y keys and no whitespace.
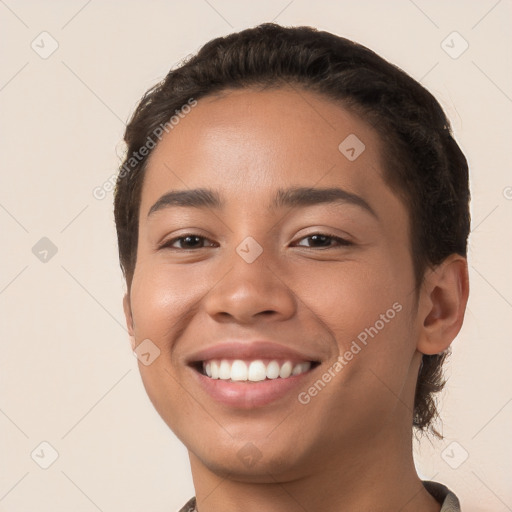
{"x":378,"y":474}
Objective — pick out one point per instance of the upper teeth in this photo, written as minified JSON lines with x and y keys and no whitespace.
{"x":239,"y":370}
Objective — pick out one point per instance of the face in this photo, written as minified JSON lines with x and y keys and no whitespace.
{"x":294,"y":257}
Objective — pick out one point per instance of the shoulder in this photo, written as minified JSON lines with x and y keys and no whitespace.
{"x":448,"y":500}
{"x":190,"y":506}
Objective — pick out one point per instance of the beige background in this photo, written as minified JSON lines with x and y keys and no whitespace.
{"x":67,"y":374}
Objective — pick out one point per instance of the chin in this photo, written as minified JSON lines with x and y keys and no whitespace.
{"x":255,"y":461}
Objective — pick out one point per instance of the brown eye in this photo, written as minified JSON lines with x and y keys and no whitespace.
{"x":324,"y":241}
{"x":187,"y":242}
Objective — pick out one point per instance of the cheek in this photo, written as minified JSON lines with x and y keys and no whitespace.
{"x":163,"y":298}
{"x":366,"y":308}
{"x":352,"y":297}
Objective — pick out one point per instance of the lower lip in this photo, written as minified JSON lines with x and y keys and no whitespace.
{"x":249,"y":395}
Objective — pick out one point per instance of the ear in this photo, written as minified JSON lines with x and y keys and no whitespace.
{"x":443,"y":300}
{"x":129,"y":318}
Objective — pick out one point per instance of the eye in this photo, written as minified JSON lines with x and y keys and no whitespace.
{"x":189,"y":241}
{"x":324,"y":241}
{"x":192,"y":241}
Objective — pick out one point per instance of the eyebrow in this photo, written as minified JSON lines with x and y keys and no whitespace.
{"x":292,"y":197}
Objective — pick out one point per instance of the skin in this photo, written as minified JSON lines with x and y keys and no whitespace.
{"x":349,"y":448}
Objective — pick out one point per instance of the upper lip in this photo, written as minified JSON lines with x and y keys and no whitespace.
{"x":258,"y":349}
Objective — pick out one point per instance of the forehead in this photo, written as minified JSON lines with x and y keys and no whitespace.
{"x":247,"y":143}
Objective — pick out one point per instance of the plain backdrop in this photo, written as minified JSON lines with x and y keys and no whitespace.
{"x":71,"y":74}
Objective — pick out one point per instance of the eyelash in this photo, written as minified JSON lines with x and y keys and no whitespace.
{"x":168,"y":244}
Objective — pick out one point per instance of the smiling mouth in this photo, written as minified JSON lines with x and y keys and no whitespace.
{"x":251,"y":371}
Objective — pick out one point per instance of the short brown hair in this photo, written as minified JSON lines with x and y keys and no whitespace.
{"x":423,"y":165}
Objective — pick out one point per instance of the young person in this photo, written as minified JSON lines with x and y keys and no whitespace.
{"x":292,"y":218}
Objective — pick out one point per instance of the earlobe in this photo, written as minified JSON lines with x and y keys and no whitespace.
{"x":444,"y":297}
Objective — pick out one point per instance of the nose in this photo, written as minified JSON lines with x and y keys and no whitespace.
{"x":251,"y":292}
